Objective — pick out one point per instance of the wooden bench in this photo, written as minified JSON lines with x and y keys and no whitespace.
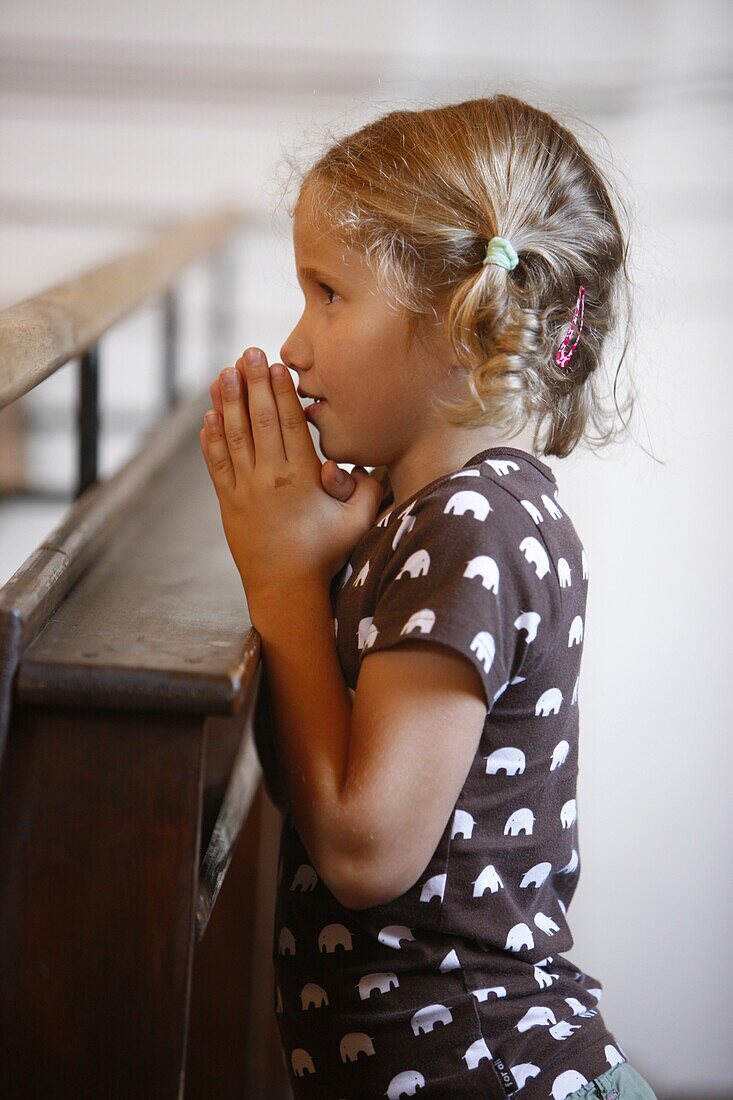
{"x":131,"y":795}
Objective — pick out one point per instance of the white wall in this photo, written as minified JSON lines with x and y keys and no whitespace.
{"x":114,"y":118}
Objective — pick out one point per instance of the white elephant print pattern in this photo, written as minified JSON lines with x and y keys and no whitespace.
{"x":460,"y":988}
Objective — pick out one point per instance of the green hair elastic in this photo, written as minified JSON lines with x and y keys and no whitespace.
{"x":501,"y":252}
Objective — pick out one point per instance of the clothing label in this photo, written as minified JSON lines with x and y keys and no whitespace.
{"x":506,"y":1077}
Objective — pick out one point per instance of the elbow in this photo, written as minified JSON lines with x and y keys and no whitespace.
{"x":361,"y":885}
{"x":349,"y":884}
{"x":362,"y":868}
{"x":351,"y":901}
{"x":359,"y":898}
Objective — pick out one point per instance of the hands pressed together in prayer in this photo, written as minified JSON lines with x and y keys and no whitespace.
{"x":286,"y":518}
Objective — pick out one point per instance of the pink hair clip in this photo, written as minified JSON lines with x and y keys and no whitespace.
{"x":563,"y":357}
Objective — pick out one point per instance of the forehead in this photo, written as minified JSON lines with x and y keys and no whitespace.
{"x":317,"y":247}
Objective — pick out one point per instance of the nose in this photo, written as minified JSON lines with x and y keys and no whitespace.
{"x":293,"y":353}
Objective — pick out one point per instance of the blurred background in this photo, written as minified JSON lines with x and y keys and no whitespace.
{"x":118,"y":119}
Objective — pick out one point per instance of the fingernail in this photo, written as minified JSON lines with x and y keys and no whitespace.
{"x":229,"y":378}
{"x":253,"y":356}
{"x":340,"y":476}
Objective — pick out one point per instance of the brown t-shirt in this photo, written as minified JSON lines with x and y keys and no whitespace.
{"x":458,"y":987}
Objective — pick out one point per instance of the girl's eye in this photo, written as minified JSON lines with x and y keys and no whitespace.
{"x":328,"y":290}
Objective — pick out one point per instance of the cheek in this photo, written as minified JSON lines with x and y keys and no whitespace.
{"x":361,"y":365}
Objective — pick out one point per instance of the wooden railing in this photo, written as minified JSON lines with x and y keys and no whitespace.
{"x":130,"y":787}
{"x":39,"y":335}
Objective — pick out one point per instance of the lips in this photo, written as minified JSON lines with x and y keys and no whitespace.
{"x":314,"y":407}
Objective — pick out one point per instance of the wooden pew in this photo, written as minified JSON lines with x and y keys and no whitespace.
{"x":138,"y":841}
{"x":130,"y":781}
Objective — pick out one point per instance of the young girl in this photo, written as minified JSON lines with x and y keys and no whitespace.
{"x":461,"y":267}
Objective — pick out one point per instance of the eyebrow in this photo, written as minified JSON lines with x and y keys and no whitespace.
{"x":312,"y":273}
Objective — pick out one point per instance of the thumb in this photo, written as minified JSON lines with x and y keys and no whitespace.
{"x":337,"y":482}
{"x":368,"y":491}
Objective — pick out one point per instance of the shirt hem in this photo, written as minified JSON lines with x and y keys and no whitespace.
{"x":591,"y":1055}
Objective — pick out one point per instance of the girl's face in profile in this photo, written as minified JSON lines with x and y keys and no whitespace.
{"x":351,"y":348}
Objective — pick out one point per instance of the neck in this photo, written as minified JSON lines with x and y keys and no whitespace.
{"x":430,"y":459}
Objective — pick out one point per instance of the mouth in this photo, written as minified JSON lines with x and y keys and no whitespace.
{"x":314,"y":406}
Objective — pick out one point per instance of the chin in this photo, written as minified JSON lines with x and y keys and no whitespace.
{"x":338,"y":454}
{"x":346,"y":455}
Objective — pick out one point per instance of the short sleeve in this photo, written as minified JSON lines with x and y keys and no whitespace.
{"x":468,"y":569}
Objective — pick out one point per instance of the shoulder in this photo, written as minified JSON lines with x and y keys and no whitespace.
{"x":494,"y":501}
{"x":487,"y":520}
{"x":465,"y":566}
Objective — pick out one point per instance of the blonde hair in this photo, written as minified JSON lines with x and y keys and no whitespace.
{"x":421,"y":193}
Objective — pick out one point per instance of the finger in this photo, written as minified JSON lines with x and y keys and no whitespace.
{"x":291,"y":414}
{"x":237,"y":428}
{"x":263,"y":411}
{"x":215,"y":389}
{"x":338,"y":487}
{"x":240,"y":367}
{"x":245,"y":395}
{"x":215,"y":394}
{"x":218,"y":458}
{"x":204,"y":452}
